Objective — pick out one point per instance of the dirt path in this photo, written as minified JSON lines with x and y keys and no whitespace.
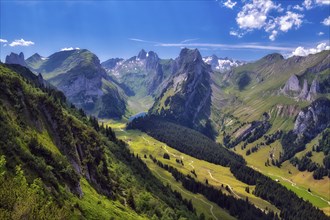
{"x":146,"y":140}
{"x":211,"y":206}
{"x":190,"y":164}
{"x":293,"y":184}
{"x":122,"y":130}
{"x":230,"y":188}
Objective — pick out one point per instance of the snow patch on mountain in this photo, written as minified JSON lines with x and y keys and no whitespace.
{"x":222,"y":64}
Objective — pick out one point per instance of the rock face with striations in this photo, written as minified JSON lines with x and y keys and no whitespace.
{"x":292,"y":86}
{"x":142,"y":74}
{"x":80,"y":76}
{"x":313,"y":119}
{"x":14,"y":58}
{"x":187,"y":97}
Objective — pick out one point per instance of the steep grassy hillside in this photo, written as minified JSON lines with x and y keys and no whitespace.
{"x":242,"y":97}
{"x":56,"y":163}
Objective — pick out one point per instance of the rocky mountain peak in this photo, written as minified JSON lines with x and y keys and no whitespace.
{"x":313,"y":119}
{"x":190,"y":60}
{"x":142,"y":55}
{"x":111,"y":63}
{"x":189,"y":56}
{"x":15,"y":58}
{"x":273,"y":57}
{"x":292,"y":85}
{"x":152,"y":60}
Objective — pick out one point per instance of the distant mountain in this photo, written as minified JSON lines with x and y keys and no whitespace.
{"x":79,"y":74}
{"x":34,"y":62}
{"x":14,"y":58}
{"x":222,"y":64}
{"x":112,"y":63}
{"x":143,"y":74}
{"x":287,"y":91}
{"x":187,"y":97}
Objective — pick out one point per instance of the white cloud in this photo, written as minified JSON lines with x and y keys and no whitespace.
{"x":289,"y":20}
{"x":273,"y":36}
{"x":254,"y":15}
{"x":229,"y":4}
{"x":320,"y":33}
{"x":3,"y":40}
{"x":323,"y":2}
{"x":298,"y":7}
{"x":283,"y":24}
{"x":69,"y":48}
{"x":326,"y":21}
{"x":236,"y":34}
{"x":21,"y":42}
{"x":226,"y":46}
{"x":142,"y":41}
{"x":309,"y":4}
{"x":301,"y":51}
{"x":189,"y":40}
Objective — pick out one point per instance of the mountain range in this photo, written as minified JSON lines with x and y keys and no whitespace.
{"x":272,"y":115}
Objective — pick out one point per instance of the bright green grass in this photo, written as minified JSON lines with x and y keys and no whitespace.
{"x":96,"y":206}
{"x":200,"y":203}
{"x":303,"y":180}
{"x":141,"y":144}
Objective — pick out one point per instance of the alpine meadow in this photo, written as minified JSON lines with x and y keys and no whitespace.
{"x":169,"y":110}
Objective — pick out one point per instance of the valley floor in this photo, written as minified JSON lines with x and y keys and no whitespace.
{"x":220,"y":177}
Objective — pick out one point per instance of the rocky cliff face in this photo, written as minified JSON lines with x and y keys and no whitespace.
{"x":313,"y":119}
{"x":307,"y":86}
{"x":80,"y":76}
{"x":14,"y":58}
{"x":187,"y":97}
{"x":292,"y":86}
{"x":314,"y":90}
{"x":143,"y":74}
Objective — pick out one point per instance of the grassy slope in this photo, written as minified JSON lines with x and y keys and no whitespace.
{"x":96,"y":206}
{"x":249,"y":104}
{"x":142,"y":144}
{"x":91,"y":205}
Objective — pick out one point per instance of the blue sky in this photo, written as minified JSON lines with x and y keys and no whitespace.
{"x":245,"y":30}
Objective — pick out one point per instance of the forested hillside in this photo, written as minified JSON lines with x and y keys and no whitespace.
{"x":56,"y":163}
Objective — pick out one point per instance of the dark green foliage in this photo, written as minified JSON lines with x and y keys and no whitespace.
{"x":305,"y":163}
{"x":273,"y":137}
{"x":245,"y":174}
{"x":131,"y":201}
{"x":326,"y":162}
{"x":320,"y":172}
{"x":185,"y":140}
{"x":287,"y":201}
{"x":166,"y":156}
{"x":53,"y":165}
{"x":256,"y":131}
{"x":291,"y":145}
{"x":87,"y":149}
{"x":21,"y":200}
{"x":291,"y":206}
{"x":243,"y":80}
{"x":113,"y":105}
{"x":239,"y":208}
